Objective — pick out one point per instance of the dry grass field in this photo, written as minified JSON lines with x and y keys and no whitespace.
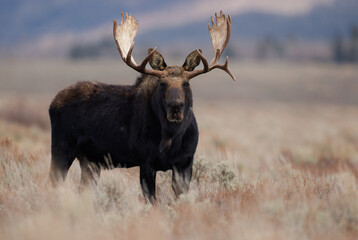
{"x":277,"y":158}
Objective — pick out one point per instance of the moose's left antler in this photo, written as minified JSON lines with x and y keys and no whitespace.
{"x":220,"y":36}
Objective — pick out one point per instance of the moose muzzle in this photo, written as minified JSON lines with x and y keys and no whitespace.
{"x":175,"y":105}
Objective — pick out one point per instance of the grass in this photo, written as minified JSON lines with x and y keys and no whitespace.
{"x":278,"y":164}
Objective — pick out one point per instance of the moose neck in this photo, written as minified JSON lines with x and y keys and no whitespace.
{"x":169,"y":130}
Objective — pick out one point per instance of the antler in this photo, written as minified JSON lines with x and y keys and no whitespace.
{"x":124,"y":35}
{"x":220,"y":36}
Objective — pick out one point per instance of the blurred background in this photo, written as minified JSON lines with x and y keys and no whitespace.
{"x":315,"y":30}
{"x":50,"y":34}
{"x":282,"y":51}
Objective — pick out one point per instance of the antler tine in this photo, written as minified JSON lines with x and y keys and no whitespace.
{"x":225,"y":68}
{"x":220,"y":36}
{"x":124,"y":35}
{"x":141,"y":67}
{"x":205,"y":62}
{"x":206,"y":68}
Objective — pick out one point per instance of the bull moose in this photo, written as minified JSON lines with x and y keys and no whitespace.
{"x":150,"y":124}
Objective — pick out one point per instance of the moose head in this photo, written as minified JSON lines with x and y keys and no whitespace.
{"x":173,"y":88}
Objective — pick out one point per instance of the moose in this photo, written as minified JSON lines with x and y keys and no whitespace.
{"x":150,"y":124}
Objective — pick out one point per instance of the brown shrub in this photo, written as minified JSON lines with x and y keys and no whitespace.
{"x":21,"y":111}
{"x":11,"y":152}
{"x":325,"y":157}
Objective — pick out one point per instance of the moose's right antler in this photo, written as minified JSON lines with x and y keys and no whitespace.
{"x":124,"y":35}
{"x":220,"y":36}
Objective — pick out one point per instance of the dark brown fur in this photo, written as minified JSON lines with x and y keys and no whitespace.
{"x":149,"y":124}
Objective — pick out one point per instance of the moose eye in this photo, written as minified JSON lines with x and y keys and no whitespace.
{"x":186,"y":85}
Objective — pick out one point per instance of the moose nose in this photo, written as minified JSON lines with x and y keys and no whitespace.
{"x":176,"y":106}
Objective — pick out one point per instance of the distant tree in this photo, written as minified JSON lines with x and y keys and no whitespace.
{"x":93,"y":50}
{"x":269,"y":47}
{"x":339,"y":55}
{"x":346,"y":50}
{"x":84,"y":51}
{"x":354,"y":44}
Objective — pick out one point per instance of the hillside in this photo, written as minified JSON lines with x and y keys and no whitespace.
{"x":77,"y":21}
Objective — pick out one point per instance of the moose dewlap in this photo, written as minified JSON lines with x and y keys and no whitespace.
{"x":150,"y":124}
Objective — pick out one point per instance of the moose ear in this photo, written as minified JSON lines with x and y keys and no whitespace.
{"x":157,"y":61}
{"x":192,"y":61}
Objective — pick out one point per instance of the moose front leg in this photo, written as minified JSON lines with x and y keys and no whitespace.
{"x":181,"y":179}
{"x":147,"y":182}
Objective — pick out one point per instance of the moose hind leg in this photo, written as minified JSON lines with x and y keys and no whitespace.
{"x":61,"y":161}
{"x":90,"y":172}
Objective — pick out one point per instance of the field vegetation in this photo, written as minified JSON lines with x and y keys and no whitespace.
{"x":277,"y":158}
